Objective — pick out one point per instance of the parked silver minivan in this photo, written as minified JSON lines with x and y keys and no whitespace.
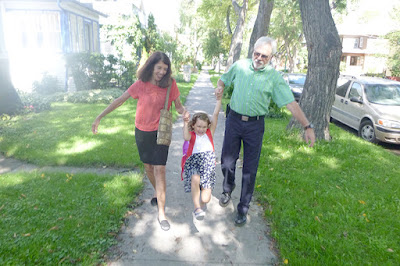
{"x":369,"y":105}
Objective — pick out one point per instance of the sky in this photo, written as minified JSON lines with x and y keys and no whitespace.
{"x":366,"y":16}
{"x":165,"y":12}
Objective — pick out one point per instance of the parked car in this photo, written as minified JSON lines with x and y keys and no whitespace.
{"x":369,"y":105}
{"x":295,"y":82}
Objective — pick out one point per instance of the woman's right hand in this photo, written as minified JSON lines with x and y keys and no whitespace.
{"x":95,"y":125}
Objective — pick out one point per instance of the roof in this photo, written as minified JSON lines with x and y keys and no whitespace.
{"x":87,"y":6}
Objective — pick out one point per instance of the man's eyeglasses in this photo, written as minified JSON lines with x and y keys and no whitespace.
{"x":263,"y":56}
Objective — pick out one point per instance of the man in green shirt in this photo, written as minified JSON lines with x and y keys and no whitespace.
{"x":256,"y":83}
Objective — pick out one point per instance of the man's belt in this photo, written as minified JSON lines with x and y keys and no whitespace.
{"x":245,"y":117}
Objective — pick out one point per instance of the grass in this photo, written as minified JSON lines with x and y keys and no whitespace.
{"x":62,"y":136}
{"x":337,"y":203}
{"x":49,"y":218}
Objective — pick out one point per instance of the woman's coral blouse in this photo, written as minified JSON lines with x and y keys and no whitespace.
{"x":151,"y":99}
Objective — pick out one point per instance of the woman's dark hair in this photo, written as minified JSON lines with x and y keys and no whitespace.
{"x":145,"y":73}
{"x":202,"y":116}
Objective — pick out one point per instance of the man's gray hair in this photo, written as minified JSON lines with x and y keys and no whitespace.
{"x":266,"y":40}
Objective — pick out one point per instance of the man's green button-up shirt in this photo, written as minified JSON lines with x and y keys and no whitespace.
{"x":253,"y":90}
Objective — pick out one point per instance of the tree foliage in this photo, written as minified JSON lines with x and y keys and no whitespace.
{"x":126,"y":37}
{"x":394,"y":42}
{"x":286,"y":28}
{"x":151,"y":35}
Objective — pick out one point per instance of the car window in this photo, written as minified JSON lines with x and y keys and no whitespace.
{"x":355,"y":90}
{"x":386,"y":94}
{"x":342,"y":86}
{"x":297,"y":79}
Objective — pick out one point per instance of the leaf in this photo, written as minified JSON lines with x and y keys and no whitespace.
{"x":362,"y":202}
{"x":286,"y":261}
{"x":54,"y":228}
{"x":317,"y":219}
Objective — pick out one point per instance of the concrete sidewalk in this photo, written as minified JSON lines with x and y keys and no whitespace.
{"x":212,"y":241}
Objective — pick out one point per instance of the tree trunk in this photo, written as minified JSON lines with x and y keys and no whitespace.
{"x":324,"y":51}
{"x":237,"y":37}
{"x":9,"y":98}
{"x":261,"y":25}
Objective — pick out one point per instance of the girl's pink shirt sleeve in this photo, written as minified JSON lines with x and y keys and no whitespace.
{"x":151,"y":99}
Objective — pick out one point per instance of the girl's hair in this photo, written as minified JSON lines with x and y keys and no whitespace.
{"x":145,"y":73}
{"x":197,"y":116}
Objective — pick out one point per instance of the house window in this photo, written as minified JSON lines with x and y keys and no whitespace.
{"x":359,"y":43}
{"x":33,"y":30}
{"x":343,"y":58}
{"x":356,"y":42}
{"x":87,"y":37}
{"x":354,"y":60}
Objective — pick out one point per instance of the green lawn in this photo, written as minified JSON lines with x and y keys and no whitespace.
{"x":49,"y":218}
{"x":337,"y":203}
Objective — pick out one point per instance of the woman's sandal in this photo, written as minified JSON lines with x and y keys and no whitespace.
{"x":199,"y":215}
{"x":164,"y":224}
{"x":153,"y":201}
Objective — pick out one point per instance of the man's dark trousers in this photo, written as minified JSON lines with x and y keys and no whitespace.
{"x":251,"y":133}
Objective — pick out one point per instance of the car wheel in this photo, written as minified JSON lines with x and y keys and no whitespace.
{"x":367,"y":131}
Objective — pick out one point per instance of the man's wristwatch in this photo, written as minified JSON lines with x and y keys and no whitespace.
{"x":309,"y":126}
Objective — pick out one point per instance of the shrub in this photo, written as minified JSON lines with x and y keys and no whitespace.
{"x":179,"y":77}
{"x":199,"y":65}
{"x":48,"y":85}
{"x":91,"y":71}
{"x":34,"y":103}
{"x":89,"y":96}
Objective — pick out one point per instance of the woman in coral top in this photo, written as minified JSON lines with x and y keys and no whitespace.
{"x":151,"y":89}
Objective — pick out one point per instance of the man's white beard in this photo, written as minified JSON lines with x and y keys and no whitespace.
{"x":258,"y":66}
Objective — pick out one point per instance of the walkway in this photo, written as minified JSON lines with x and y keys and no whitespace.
{"x":213,"y":241}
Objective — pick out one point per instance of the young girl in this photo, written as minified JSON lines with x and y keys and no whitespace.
{"x":199,"y":168}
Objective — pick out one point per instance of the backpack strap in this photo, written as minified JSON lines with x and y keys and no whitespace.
{"x":209,"y":135}
{"x":188,"y":151}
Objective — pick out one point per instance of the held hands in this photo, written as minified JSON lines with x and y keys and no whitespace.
{"x":186,"y":116}
{"x":219,"y":91}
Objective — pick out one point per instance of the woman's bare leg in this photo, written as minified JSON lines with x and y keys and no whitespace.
{"x":150,"y":175}
{"x":160,"y":185}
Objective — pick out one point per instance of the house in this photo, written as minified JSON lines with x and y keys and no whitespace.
{"x":362,"y":32}
{"x":39,"y":33}
{"x":364,"y":53}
